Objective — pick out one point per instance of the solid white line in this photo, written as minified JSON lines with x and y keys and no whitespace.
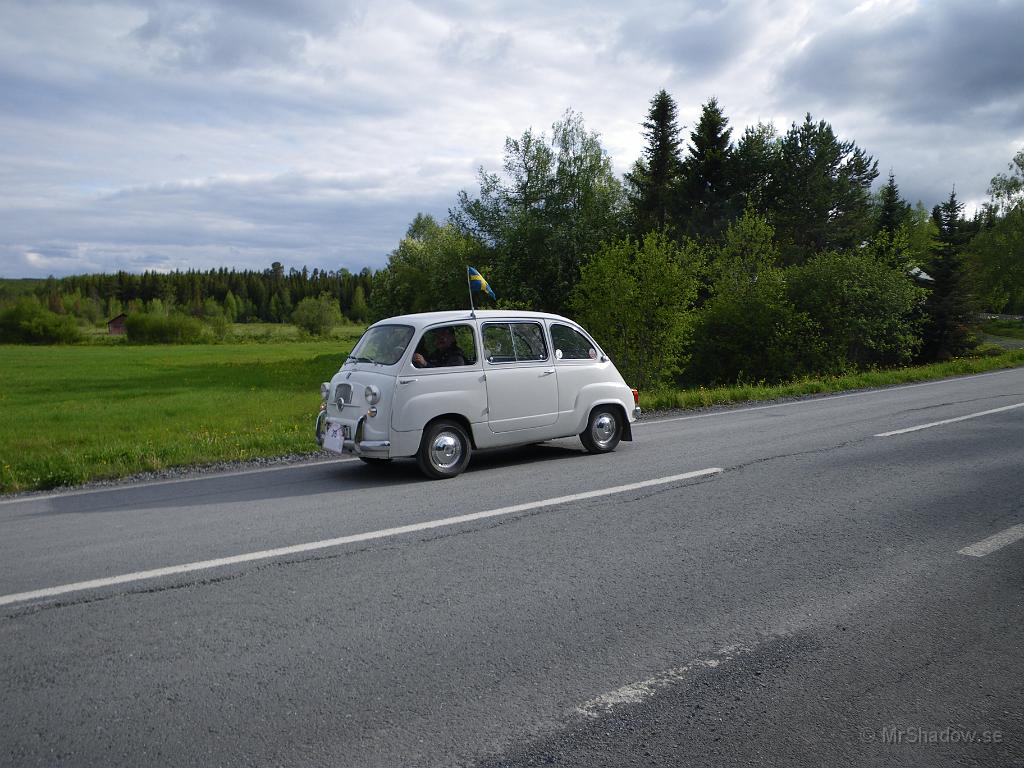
{"x":152,"y":483}
{"x":992,"y":543}
{"x":950,"y":421}
{"x":822,"y":399}
{"x":359,"y":537}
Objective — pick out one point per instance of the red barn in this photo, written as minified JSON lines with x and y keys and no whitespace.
{"x":115,"y":325}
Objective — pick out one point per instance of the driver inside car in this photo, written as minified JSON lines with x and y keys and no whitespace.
{"x":446,"y":350}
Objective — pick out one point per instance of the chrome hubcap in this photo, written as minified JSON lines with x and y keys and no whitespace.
{"x":446,"y":451}
{"x":604,"y":429}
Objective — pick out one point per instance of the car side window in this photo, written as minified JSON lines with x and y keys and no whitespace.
{"x":514,"y":342}
{"x":528,"y":339}
{"x":446,"y":346}
{"x":570,"y":344}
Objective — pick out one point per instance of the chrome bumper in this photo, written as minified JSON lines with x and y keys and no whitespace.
{"x":374,"y":449}
{"x":636,"y":413}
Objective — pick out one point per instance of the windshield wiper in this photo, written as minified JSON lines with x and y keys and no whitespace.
{"x":353,"y":359}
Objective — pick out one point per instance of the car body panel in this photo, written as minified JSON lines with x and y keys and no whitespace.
{"x":502,"y":401}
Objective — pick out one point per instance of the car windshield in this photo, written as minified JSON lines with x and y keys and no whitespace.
{"x":382,"y":345}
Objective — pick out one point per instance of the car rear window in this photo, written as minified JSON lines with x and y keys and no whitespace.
{"x":570,"y":344}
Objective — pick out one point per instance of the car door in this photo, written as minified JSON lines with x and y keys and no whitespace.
{"x":579,"y":364}
{"x":522,"y":388}
{"x":424,"y":392}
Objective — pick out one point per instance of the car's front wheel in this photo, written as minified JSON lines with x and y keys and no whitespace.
{"x":444,"y":451}
{"x":604,"y":430}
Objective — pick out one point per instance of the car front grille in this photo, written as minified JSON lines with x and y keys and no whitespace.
{"x":343,"y":395}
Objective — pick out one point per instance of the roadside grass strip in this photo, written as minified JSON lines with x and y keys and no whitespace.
{"x":949,"y":421}
{"x":176,"y":570}
{"x":994,"y":543}
{"x":705,"y":397}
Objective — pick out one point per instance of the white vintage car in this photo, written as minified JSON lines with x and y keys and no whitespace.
{"x":441,"y":385}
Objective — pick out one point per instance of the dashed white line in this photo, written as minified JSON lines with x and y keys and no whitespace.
{"x":267,"y":554}
{"x":644,"y":689}
{"x":950,"y":421}
{"x":993,"y":543}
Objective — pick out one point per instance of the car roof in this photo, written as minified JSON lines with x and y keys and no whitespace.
{"x":423,"y":319}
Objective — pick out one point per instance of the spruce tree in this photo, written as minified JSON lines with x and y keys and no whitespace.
{"x":893,"y":210}
{"x":706,"y":189}
{"x":949,"y":309}
{"x":653,"y":183}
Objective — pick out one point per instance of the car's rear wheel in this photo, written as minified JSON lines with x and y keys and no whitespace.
{"x":444,"y":450}
{"x":604,"y":430}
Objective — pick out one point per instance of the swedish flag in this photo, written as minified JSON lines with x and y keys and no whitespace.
{"x":477,"y":282}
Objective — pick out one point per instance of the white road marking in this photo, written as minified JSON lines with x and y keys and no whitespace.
{"x":950,"y":421}
{"x":353,"y":539}
{"x":644,"y":689}
{"x":992,"y":543}
{"x":152,"y":483}
{"x":823,"y":399}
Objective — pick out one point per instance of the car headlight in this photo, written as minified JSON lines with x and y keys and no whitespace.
{"x":372,"y":394}
{"x":325,"y":390}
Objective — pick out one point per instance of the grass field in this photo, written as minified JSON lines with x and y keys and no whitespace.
{"x":69,"y":414}
{"x":74,"y":413}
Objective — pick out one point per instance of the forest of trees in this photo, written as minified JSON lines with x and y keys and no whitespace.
{"x":717,"y":260}
{"x":217,"y":297}
{"x":757,"y":256}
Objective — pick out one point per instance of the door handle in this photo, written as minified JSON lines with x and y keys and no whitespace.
{"x":548,"y":372}
{"x":406,"y":381}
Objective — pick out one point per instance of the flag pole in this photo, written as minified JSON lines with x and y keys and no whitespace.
{"x":469,"y":285}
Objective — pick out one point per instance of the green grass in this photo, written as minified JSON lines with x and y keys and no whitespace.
{"x":257,"y":333}
{"x":1011,"y":329}
{"x":74,"y":413}
{"x":703,"y":397}
{"x":69,"y":414}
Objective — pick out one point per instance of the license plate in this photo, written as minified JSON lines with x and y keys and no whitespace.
{"x":335,"y":436}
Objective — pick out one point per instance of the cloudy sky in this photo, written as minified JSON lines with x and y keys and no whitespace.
{"x":162,"y":134}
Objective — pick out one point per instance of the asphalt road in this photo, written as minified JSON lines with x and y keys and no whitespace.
{"x":812,"y":603}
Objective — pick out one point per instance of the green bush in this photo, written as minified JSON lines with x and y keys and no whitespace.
{"x":636,"y":297}
{"x":753,"y":333}
{"x":868,"y":312}
{"x":164,"y":329}
{"x":28,"y":322}
{"x":317,"y":316}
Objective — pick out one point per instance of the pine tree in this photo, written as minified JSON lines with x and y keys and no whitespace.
{"x":821,"y":191}
{"x":652,"y":185}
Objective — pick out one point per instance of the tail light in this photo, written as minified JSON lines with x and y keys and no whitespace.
{"x":636,"y":397}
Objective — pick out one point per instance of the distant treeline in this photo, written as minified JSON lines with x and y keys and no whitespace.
{"x":239,"y":296}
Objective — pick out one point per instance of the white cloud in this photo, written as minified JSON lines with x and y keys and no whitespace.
{"x":154,"y":134}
